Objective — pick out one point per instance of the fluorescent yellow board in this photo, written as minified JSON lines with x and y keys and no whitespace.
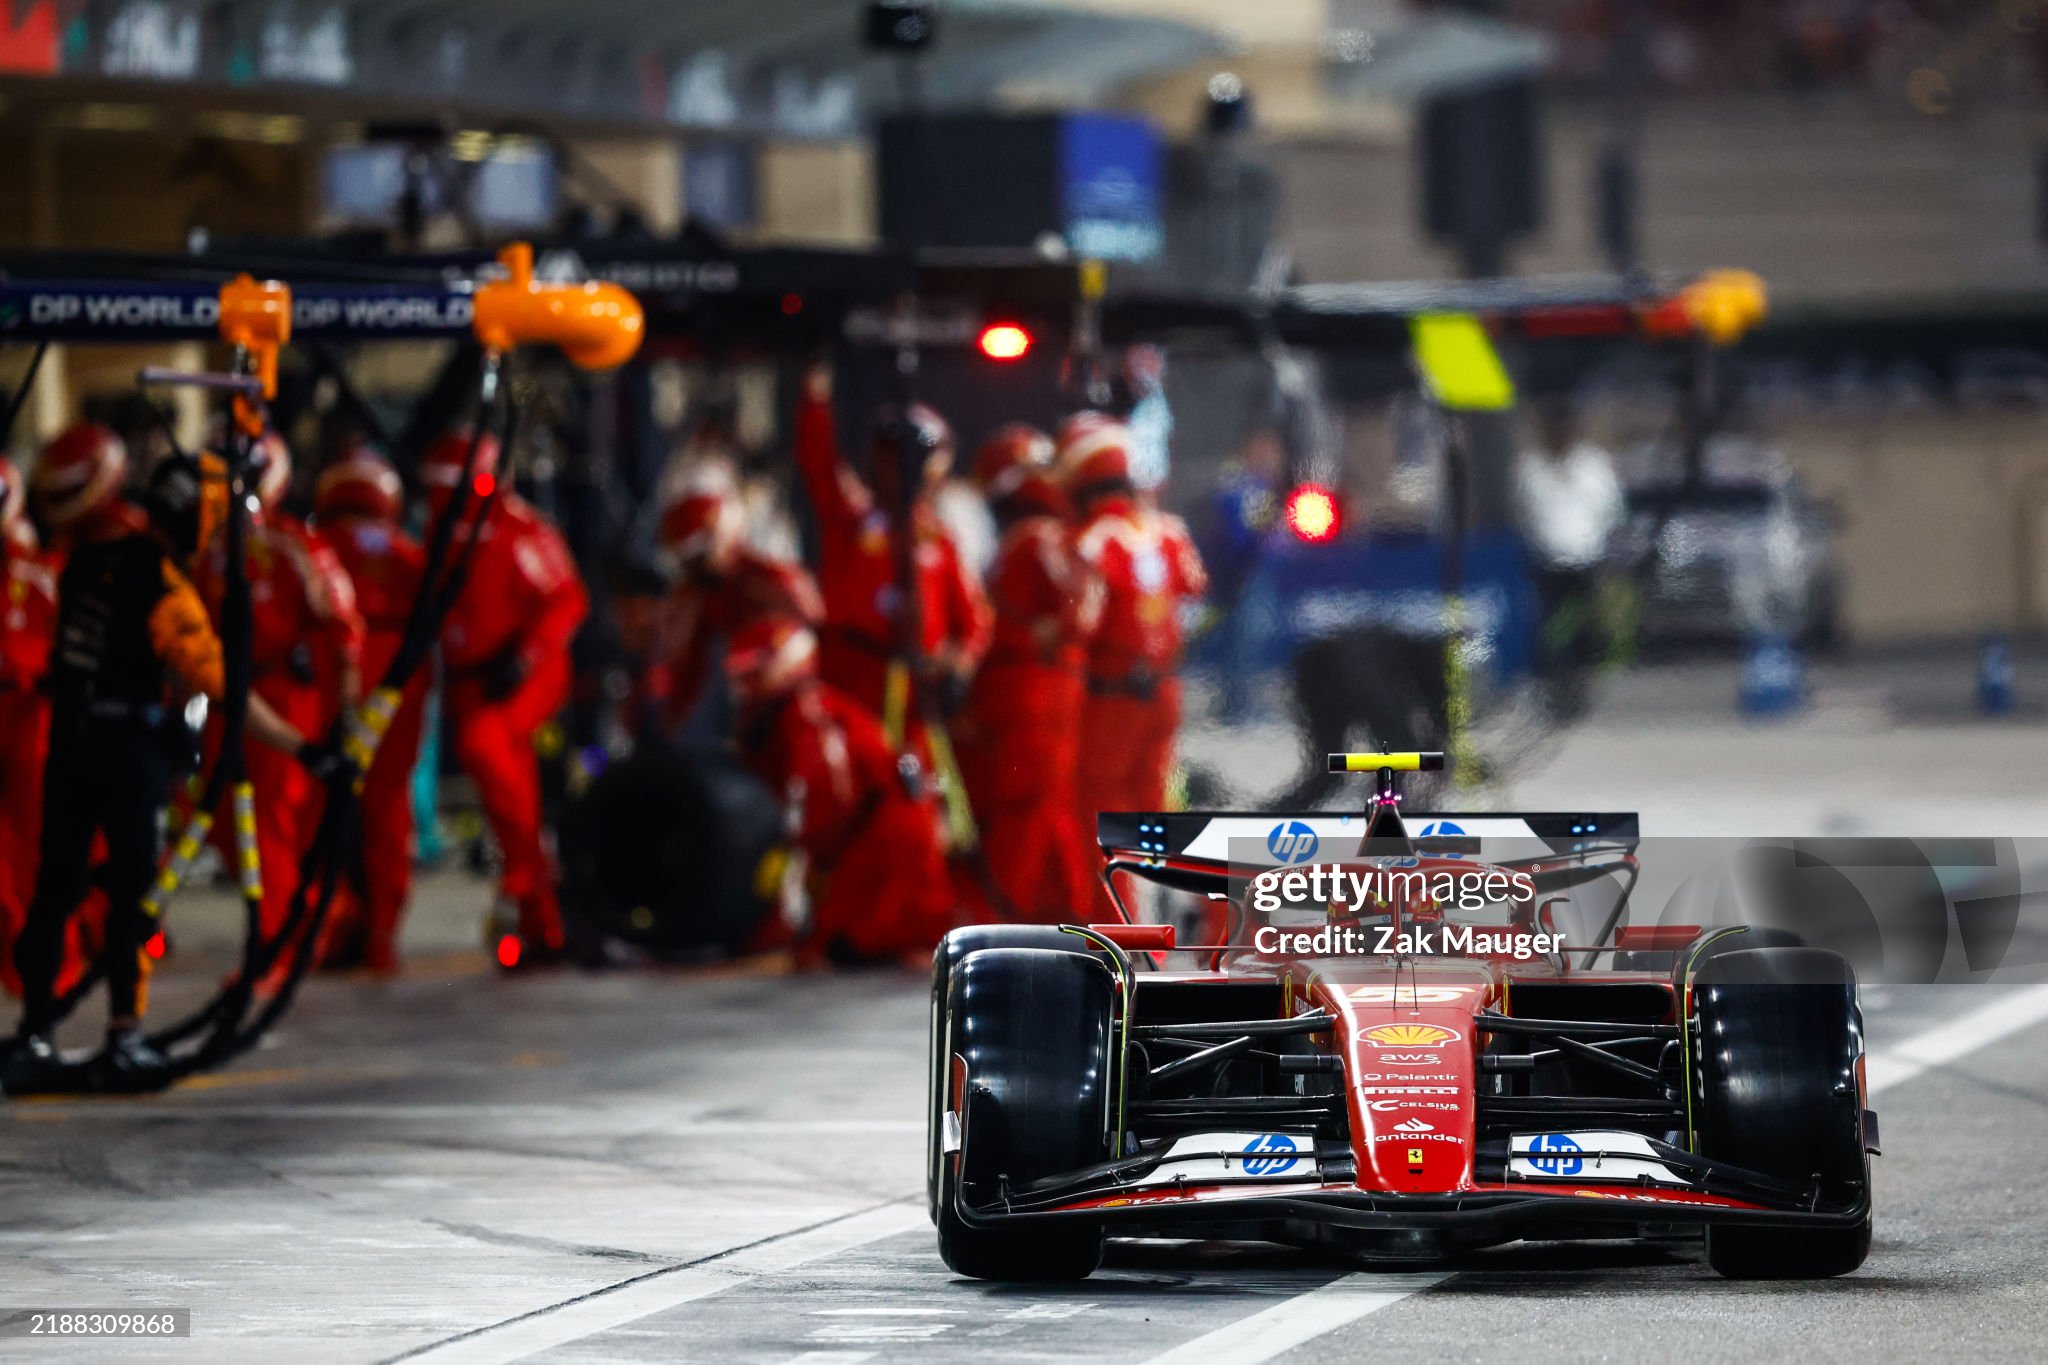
{"x":1458,"y":363}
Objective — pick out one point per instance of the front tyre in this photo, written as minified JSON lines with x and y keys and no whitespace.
{"x":1777,"y":1036}
{"x":1030,"y":1033}
{"x":952,"y":948}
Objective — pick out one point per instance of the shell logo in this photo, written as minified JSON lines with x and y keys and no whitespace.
{"x":1409,"y":1035}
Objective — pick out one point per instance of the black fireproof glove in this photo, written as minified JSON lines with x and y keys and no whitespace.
{"x":326,"y":762}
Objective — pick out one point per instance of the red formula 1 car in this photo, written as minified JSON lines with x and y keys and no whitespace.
{"x":1427,"y":1047}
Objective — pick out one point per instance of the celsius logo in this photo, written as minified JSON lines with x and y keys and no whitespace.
{"x":1293,"y":842}
{"x":1279,"y":1144}
{"x":1562,"y":1158}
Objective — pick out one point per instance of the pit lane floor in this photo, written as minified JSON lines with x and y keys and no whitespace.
{"x":726,"y":1165}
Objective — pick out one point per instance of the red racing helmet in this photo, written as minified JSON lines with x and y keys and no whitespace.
{"x":703,"y":519}
{"x":1094,"y":451}
{"x":360,"y":484}
{"x":768,"y":659}
{"x":441,"y":467}
{"x":79,"y":472}
{"x":1015,"y":468}
{"x":1012,"y":453}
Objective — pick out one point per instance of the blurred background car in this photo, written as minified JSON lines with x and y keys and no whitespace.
{"x":1744,"y":547}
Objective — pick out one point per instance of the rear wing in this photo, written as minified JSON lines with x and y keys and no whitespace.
{"x":1233,"y":838}
{"x":1204,"y":852}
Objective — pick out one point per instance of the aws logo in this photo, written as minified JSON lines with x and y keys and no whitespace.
{"x":1292,"y":842}
{"x":1410,"y":1035}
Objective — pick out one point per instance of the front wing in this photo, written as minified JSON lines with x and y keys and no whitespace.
{"x":1485,"y":1213}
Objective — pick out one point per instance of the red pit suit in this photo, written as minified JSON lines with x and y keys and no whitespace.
{"x":386,"y":567}
{"x":305,"y":633}
{"x":702,"y":610}
{"x":878,"y":877}
{"x":857,"y":569}
{"x":1149,"y":567}
{"x":28,"y":623}
{"x":506,"y":647}
{"x":1020,"y":736}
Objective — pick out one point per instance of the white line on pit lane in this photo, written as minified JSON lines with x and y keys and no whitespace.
{"x":1938,"y":1046}
{"x":1287,"y":1325}
{"x":1284,"y":1326}
{"x":662,"y":1290}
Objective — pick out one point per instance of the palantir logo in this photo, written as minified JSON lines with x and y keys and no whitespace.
{"x":1293,"y":842}
{"x":1278,"y":1143}
{"x":1555,"y":1164}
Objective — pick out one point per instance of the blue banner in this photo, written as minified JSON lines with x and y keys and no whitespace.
{"x":117,"y":310}
{"x":1109,"y":187}
{"x":1397,"y":581}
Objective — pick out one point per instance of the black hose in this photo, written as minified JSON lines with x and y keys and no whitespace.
{"x":320,"y":864}
{"x":223,"y":1018}
{"x":19,"y":399}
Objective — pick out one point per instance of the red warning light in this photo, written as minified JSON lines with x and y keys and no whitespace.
{"x":1312,"y":513}
{"x":156,"y":946}
{"x":483,"y":484}
{"x":1005,"y":341}
{"x":508,"y":951}
{"x":792,"y":304}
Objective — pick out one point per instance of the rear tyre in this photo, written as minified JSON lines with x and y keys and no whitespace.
{"x":953,"y":947}
{"x":1033,"y":1029}
{"x":1776,"y":1038}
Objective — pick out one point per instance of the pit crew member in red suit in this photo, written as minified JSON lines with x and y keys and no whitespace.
{"x":878,"y":880}
{"x":857,"y":558}
{"x":305,"y":656}
{"x":505,"y":646}
{"x":28,"y":623}
{"x":1020,"y":735}
{"x":1149,"y":568}
{"x":356,"y":506}
{"x":720,"y":585}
